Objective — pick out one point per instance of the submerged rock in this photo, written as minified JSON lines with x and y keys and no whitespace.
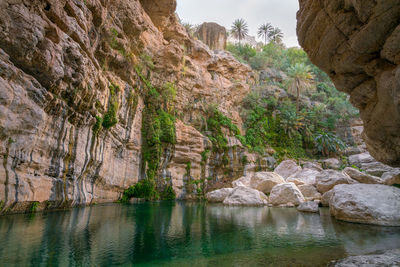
{"x":287,"y":168}
{"x":389,"y":258}
{"x":245,"y":196}
{"x":309,"y":206}
{"x":366,"y":203}
{"x":218,"y":195}
{"x":286,"y":195}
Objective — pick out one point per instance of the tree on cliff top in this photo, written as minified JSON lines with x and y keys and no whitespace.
{"x":264,"y":30}
{"x":239,"y":29}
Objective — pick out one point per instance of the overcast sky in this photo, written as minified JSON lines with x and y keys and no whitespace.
{"x":280,"y":13}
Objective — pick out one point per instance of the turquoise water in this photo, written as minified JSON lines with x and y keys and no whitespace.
{"x":184,"y":234}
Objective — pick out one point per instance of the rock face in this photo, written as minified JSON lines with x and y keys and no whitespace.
{"x":366,"y":203}
{"x":357,"y":44}
{"x":245,"y":196}
{"x":286,"y":195}
{"x":391,"y":178}
{"x":213,"y":35}
{"x":287,"y":168}
{"x":326,"y":198}
{"x":389,"y":258}
{"x":309,"y":206}
{"x":67,"y":65}
{"x":328,"y":179}
{"x":218,"y":195}
{"x":265,"y":181}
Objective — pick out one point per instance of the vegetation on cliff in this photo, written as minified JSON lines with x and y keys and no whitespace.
{"x":294,"y":108}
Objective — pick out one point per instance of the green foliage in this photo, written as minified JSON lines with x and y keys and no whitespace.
{"x":145,"y":188}
{"x":97,"y":127}
{"x":215,"y":122}
{"x":110,"y":118}
{"x":244,"y":160}
{"x":34,"y":206}
{"x":327,"y":144}
{"x":167,"y":125}
{"x":188,"y":168}
{"x":1,"y":204}
{"x":168,"y":193}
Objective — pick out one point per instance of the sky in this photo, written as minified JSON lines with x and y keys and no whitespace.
{"x":280,"y":13}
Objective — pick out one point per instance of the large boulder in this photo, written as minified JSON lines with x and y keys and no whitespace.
{"x":362,"y":177}
{"x":312,"y":166}
{"x":357,"y":44}
{"x":286,"y":195}
{"x":265,"y":181}
{"x":304,"y":176}
{"x":388,"y":258}
{"x":326,"y":198}
{"x":309,"y":206}
{"x":366,"y":203}
{"x":391,"y":178}
{"x":242,"y":181}
{"x":287,"y":168}
{"x":327,"y":179}
{"x":367,"y":163}
{"x":218,"y":195}
{"x":213,"y":35}
{"x":331,"y":164}
{"x":245,"y":196}
{"x":309,"y":192}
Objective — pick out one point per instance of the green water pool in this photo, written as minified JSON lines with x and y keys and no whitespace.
{"x":185,"y":234}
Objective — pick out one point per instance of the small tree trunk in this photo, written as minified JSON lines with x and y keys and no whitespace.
{"x":297,"y":98}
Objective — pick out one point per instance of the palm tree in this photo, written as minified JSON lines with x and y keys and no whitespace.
{"x":275,"y":35}
{"x":264,"y":30}
{"x":239,"y":29}
{"x":301,"y":77}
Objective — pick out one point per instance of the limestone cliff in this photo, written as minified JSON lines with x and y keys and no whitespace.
{"x":358,"y":44}
{"x":213,"y":35}
{"x":73,"y":80}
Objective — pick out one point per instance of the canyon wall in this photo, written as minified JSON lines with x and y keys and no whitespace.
{"x":357,"y":43}
{"x":73,"y":80}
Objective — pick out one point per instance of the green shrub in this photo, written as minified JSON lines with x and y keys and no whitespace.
{"x":34,"y":206}
{"x":145,"y":188}
{"x":168,"y":193}
{"x":97,"y":127}
{"x":328,"y":143}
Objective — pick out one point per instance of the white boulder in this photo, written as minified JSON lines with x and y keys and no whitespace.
{"x":265,"y":181}
{"x":286,"y":195}
{"x":304,"y":176}
{"x":218,"y":195}
{"x":245,"y":196}
{"x":309,"y":192}
{"x":362,"y":177}
{"x":287,"y":168}
{"x":327,"y":179}
{"x":366,"y":203}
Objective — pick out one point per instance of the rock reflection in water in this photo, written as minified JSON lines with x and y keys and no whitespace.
{"x":170,"y":233}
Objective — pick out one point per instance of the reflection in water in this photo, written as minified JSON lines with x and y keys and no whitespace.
{"x":187,"y":234}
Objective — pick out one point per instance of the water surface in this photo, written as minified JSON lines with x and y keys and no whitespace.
{"x":184,"y":234}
